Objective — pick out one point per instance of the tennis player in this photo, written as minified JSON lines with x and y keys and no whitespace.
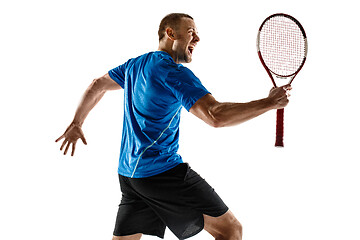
{"x":158,"y":188}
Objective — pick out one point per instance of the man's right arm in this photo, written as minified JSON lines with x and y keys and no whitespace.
{"x":91,"y":97}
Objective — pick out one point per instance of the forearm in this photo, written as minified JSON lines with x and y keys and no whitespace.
{"x":218,"y":114}
{"x":91,"y":97}
{"x":230,"y":114}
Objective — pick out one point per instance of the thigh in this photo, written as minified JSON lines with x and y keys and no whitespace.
{"x":135,"y":216}
{"x":202,"y":197}
{"x":180,"y":197}
{"x":167,"y":194}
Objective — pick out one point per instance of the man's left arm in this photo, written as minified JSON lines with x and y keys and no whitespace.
{"x":218,"y":114}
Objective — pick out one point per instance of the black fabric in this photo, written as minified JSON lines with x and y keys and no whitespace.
{"x":177,"y":198}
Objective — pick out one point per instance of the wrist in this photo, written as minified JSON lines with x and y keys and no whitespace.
{"x":76,"y":123}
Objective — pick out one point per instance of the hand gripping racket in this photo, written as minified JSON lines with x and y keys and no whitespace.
{"x":282,"y":49}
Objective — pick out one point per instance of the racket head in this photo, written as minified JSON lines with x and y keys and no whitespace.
{"x":282,"y":46}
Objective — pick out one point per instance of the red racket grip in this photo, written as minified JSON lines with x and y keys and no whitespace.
{"x":279,"y":128}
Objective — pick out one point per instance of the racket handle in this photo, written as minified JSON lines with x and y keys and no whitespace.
{"x":279,"y":128}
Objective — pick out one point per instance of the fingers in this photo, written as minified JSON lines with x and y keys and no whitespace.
{"x":67,"y":148}
{"x":61,"y":137}
{"x":67,"y":144}
{"x":283,"y":101}
{"x":71,"y":135}
{"x":287,"y":89}
{"x":83,"y":139}
{"x":63,"y":144}
{"x":280,"y":96}
{"x":73,"y":149}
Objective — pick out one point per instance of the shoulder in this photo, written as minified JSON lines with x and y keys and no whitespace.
{"x":186,"y":71}
{"x":182,"y":74}
{"x":164,"y":60}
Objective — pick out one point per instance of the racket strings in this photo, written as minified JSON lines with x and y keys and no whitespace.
{"x":282,"y":45}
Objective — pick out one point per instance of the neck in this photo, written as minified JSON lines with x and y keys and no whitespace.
{"x":166,"y":46}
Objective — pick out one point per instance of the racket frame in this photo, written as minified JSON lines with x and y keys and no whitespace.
{"x":280,"y":112}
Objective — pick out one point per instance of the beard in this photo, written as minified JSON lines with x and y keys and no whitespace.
{"x":186,"y":56}
{"x":183,"y":54}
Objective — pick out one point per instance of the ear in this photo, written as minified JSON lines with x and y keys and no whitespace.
{"x":170,"y":33}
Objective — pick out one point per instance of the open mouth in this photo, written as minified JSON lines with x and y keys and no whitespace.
{"x":191,"y":49}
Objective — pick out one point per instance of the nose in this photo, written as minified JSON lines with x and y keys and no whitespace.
{"x":196,"y":37}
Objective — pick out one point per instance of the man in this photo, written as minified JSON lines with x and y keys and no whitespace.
{"x":158,"y":189}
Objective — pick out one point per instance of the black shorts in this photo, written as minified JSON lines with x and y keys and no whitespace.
{"x":177,"y":198}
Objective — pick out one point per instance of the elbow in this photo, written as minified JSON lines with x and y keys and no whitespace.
{"x":218,"y":124}
{"x":210,"y":111}
{"x":97,"y":86}
{"x":216,"y":120}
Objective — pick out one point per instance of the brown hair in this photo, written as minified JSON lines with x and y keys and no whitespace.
{"x":170,"y":20}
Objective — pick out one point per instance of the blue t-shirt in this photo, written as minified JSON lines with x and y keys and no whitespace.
{"x":155,"y":89}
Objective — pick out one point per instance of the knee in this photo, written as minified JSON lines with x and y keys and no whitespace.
{"x":232,"y":231}
{"x":225,"y":227}
{"x":129,"y":237}
{"x":236,"y":231}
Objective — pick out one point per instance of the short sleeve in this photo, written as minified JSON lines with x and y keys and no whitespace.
{"x":118,"y":74}
{"x":186,"y":87}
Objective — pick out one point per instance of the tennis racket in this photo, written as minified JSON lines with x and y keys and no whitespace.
{"x":282,"y":49}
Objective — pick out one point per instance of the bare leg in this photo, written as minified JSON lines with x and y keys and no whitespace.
{"x":225,"y":227}
{"x":130,"y":237}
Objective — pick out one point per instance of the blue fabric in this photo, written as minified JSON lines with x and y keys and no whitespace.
{"x":155,"y":89}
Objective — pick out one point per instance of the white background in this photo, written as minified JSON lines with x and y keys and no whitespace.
{"x":52,"y":50}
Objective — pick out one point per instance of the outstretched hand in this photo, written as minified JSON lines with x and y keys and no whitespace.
{"x":71,"y":135}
